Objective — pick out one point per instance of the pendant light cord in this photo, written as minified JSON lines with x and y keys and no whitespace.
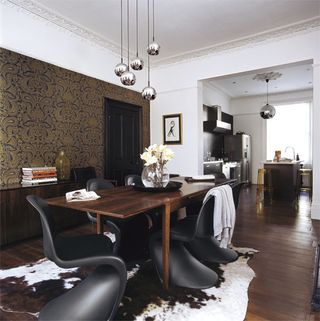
{"x":148,"y":44}
{"x":267,"y":80}
{"x":128,"y":34}
{"x":121,"y":33}
{"x":137,"y":28}
{"x":153,"y":20}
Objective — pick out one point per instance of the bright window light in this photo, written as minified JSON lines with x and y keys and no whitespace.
{"x":290,"y":127}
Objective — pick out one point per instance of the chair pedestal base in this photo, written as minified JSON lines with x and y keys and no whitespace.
{"x":185,"y":270}
{"x":208,"y":250}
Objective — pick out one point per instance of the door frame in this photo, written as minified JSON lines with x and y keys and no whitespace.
{"x":107,"y":102}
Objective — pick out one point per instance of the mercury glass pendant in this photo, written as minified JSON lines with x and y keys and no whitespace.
{"x":120,"y":68}
{"x":128,"y":78}
{"x":153,"y":48}
{"x":267,"y":111}
{"x":137,"y":63}
{"x":149,"y":93}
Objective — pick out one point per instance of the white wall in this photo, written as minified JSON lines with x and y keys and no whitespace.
{"x":33,"y":36}
{"x":182,"y":101}
{"x":214,"y":96}
{"x":176,"y":77}
{"x":246,"y":118}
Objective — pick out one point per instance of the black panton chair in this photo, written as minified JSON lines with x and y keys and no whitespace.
{"x":133,"y":179}
{"x":185,"y":269}
{"x":133,"y":232}
{"x":83,"y":174}
{"x":204,"y":246}
{"x":99,"y":295}
{"x":95,"y":184}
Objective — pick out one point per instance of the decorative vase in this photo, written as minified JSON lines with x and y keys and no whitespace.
{"x":63,"y":166}
{"x":155,"y":176}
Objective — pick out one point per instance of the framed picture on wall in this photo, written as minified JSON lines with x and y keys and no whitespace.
{"x":172,"y":129}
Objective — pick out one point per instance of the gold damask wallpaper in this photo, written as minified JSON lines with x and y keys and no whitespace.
{"x":45,"y":109}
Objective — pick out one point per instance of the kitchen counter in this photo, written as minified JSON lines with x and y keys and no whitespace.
{"x":284,"y":178}
{"x":293,"y":162}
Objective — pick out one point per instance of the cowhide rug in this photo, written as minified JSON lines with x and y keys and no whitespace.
{"x":25,"y":289}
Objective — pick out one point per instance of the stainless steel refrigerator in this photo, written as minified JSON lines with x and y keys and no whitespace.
{"x":237,"y":148}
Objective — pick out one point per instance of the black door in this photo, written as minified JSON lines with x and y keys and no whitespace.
{"x":123,"y":140}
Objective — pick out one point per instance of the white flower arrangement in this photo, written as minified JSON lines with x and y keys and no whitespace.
{"x":160,"y":154}
{"x":155,"y":174}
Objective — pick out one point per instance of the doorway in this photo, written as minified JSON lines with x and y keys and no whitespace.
{"x":123,"y":139}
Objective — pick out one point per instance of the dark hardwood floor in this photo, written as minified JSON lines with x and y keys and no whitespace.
{"x":285,"y":236}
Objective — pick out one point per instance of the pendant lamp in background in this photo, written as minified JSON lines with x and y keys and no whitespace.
{"x":137,"y":63}
{"x":121,"y":67}
{"x":267,"y":111}
{"x":128,"y":78}
{"x":153,"y":48}
{"x":149,"y":93}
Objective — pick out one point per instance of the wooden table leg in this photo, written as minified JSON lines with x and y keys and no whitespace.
{"x":166,"y":244}
{"x":99,"y":224}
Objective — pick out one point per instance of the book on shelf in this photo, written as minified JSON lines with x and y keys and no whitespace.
{"x":44,"y":168}
{"x":48,"y":175}
{"x":39,"y":181}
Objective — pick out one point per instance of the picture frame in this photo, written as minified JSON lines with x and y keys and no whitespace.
{"x":172,"y":129}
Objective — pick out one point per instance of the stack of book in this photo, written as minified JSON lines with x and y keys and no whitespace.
{"x":38,"y":175}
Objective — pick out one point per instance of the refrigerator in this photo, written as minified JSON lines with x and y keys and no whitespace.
{"x":237,"y":148}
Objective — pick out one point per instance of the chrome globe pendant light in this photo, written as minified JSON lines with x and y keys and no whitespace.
{"x":121,"y":67}
{"x":149,"y":93}
{"x":128,"y":78}
{"x":137,"y":63}
{"x":267,"y":111}
{"x":153,"y":48}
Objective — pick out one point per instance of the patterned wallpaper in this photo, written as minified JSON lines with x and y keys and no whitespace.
{"x":45,"y":109}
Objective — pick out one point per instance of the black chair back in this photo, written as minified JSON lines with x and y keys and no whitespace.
{"x":236,"y":188}
{"x":83,"y":174}
{"x":47,"y":223}
{"x":204,"y":224}
{"x":133,"y":179}
{"x":94,"y":184}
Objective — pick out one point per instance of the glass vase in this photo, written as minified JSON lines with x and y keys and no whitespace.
{"x":63,"y":166}
{"x":155,"y":176}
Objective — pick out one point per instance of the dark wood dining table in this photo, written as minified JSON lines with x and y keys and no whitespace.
{"x":124,"y":202}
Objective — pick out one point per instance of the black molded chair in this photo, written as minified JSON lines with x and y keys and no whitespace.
{"x":99,"y":295}
{"x":95,"y":184}
{"x":132,"y":232}
{"x":205,"y":247}
{"x":185,"y":269}
{"x":83,"y":174}
{"x":132,"y":179}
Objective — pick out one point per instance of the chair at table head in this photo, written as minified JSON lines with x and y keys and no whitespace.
{"x":99,"y":295}
{"x":83,"y":174}
{"x":133,"y":179}
{"x":95,"y":184}
{"x":236,"y":189}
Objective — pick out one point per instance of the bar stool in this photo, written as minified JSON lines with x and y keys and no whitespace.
{"x":264,"y":183}
{"x":301,"y":173}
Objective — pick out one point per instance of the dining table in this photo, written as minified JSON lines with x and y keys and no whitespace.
{"x":126,"y":201}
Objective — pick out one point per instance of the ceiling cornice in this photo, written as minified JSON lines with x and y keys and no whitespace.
{"x":288,"y":31}
{"x":33,"y":8}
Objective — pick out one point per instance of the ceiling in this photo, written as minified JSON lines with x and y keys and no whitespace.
{"x":293,"y":77}
{"x":181,"y":26}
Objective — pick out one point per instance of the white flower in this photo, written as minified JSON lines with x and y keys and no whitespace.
{"x":157,"y":154}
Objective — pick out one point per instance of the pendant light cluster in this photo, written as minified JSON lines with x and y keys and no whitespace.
{"x":267,"y":111}
{"x":122,"y":70}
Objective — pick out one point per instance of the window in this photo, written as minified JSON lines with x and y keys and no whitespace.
{"x":291,"y":126}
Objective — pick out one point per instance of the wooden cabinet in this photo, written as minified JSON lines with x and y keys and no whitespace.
{"x":19,"y":220}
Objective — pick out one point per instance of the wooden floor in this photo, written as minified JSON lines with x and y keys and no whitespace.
{"x":284,"y":235}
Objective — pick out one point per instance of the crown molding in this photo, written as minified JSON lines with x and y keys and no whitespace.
{"x":40,"y":12}
{"x":271,"y":35}
{"x":37,"y":11}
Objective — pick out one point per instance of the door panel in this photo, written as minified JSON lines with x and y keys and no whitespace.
{"x":123,"y":140}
